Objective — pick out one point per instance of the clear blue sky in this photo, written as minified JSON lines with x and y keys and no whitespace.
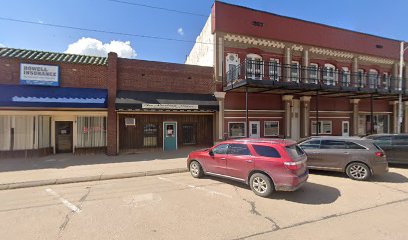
{"x":378,"y":17}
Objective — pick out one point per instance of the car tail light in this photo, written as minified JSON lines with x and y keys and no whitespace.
{"x":293,"y":165}
{"x":379,"y":154}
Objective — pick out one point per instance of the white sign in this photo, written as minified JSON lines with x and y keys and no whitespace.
{"x":170,"y":106}
{"x":35,"y":74}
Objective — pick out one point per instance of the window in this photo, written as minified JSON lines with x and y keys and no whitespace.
{"x":266,"y":151}
{"x":386,"y":80}
{"x":238,"y":149}
{"x":44,"y":132}
{"x":237,"y":129}
{"x":91,"y":132}
{"x":294,"y":71}
{"x":329,"y":74}
{"x":400,"y":140}
{"x":130,"y":121}
{"x":345,"y":76}
{"x":232,"y":63}
{"x":351,"y":145}
{"x":294,"y":151}
{"x":23,"y":132}
{"x":373,"y":78}
{"x":383,"y":141}
{"x":324,"y":127}
{"x":313,"y":73}
{"x":5,"y":133}
{"x":271,"y":128}
{"x":274,"y":69}
{"x":254,"y":67}
{"x":310,"y":144}
{"x":332,"y":144}
{"x":150,"y":132}
{"x":360,"y":78}
{"x":220,"y":149}
{"x":189,"y":134}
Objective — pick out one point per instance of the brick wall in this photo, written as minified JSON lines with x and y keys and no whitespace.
{"x":71,"y":75}
{"x":138,"y":75}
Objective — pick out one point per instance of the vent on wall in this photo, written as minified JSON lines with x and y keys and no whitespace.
{"x":257,"y":24}
{"x":130,"y":122}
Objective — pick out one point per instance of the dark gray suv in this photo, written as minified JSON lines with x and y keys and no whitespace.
{"x":394,"y":145}
{"x":358,"y":158}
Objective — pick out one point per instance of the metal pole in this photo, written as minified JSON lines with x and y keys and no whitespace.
{"x":400,"y":88}
{"x":246,"y":111}
{"x":317,"y":113}
{"x":372,"y":115}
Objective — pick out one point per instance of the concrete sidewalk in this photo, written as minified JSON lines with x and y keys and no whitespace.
{"x":69,"y":168}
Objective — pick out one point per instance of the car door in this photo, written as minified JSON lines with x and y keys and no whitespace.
{"x":239,"y":161}
{"x":334,"y":154}
{"x":399,"y":148}
{"x":217,"y":160}
{"x":312,"y":149}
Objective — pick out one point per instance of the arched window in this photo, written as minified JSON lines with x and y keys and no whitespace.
{"x":254,"y":67}
{"x":329,"y":74}
{"x":361,"y":81}
{"x":313,"y":73}
{"x":345,"y":76}
{"x":274,"y":69}
{"x":373,"y":78}
{"x":232,"y":66}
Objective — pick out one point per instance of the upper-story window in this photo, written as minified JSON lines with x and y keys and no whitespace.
{"x":345,"y":76}
{"x":294,"y":71}
{"x":254,"y":67}
{"x":373,"y":78}
{"x":361,"y":78}
{"x":313,"y":73}
{"x":274,"y":69}
{"x":329,"y":74}
{"x":386,"y":80}
{"x":232,"y":66}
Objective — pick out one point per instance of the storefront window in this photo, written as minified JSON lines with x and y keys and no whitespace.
{"x":44,"y":131}
{"x":23,"y":132}
{"x":271,"y":128}
{"x":91,"y":132}
{"x":236,"y":129}
{"x":150,"y":135}
{"x":323,"y":127}
{"x":5,"y":133}
{"x":380,"y":123}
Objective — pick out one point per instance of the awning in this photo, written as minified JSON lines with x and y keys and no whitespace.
{"x":132,"y":100}
{"x":52,"y":97}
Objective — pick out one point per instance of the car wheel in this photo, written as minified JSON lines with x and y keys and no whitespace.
{"x":196,"y":170}
{"x":358,"y":171}
{"x":261,"y":184}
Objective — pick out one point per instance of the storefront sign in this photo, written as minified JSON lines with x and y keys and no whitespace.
{"x":170,"y":106}
{"x":35,"y":74}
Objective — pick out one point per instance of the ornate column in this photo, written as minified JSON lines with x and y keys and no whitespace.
{"x":287,"y":102}
{"x":219,"y":125}
{"x":354,"y":70}
{"x":304,"y":116}
{"x":354,"y":121}
{"x":287,"y":61}
{"x":305,"y":65}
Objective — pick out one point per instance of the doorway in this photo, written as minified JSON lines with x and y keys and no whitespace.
{"x":345,"y":128}
{"x":63,"y":137}
{"x":169,"y":136}
{"x":254,"y":129}
{"x":295,"y":118}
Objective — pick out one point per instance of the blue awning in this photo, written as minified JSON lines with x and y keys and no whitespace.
{"x":52,"y":97}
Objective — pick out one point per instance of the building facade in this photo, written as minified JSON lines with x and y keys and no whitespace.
{"x":285,"y":77}
{"x":57,"y":103}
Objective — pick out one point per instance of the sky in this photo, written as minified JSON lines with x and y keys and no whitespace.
{"x":383,"y":18}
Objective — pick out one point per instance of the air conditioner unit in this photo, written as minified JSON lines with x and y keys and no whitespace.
{"x":130,"y":121}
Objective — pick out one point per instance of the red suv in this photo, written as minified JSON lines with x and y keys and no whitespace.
{"x":265,"y":164}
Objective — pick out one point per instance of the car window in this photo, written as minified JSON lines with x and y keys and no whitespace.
{"x":332,"y":144}
{"x":266,"y":151}
{"x":238,"y":149}
{"x":383,"y":140}
{"x":294,"y":151}
{"x":310,"y":144}
{"x":351,"y":145}
{"x":220,"y":149}
{"x":400,"y":140}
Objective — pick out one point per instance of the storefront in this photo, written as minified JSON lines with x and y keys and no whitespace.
{"x":167,"y":121}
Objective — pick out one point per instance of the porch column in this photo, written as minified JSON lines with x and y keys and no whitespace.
{"x":354,"y":121}
{"x":304,"y":116}
{"x":287,"y":62}
{"x":305,"y":65}
{"x":287,"y":102}
{"x":394,"y":117}
{"x":354,"y":70}
{"x":112,"y":129}
{"x":219,"y":125}
{"x":405,"y":117}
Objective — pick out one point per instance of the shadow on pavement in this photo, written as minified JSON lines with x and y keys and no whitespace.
{"x":390,"y":177}
{"x":60,"y":161}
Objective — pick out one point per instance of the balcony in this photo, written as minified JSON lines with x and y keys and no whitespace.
{"x":271,"y":77}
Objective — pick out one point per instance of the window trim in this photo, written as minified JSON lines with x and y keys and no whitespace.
{"x":321,"y":127}
{"x":265,"y":128}
{"x":245,"y":130}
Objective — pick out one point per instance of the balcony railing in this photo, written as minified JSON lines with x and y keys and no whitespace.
{"x":271,"y":71}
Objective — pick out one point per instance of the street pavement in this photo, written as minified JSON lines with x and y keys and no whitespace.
{"x":177,"y":206}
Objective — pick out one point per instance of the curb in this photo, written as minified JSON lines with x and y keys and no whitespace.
{"x":102,"y":177}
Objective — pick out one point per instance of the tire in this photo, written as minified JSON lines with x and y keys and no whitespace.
{"x":358,"y":171}
{"x":261,"y":184}
{"x":196,"y":170}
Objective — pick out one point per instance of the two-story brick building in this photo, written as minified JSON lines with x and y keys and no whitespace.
{"x":285,"y":77}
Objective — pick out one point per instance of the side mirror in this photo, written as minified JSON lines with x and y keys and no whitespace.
{"x":211,"y":153}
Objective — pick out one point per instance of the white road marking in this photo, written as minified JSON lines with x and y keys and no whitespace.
{"x":63,"y":200}
{"x":211,"y":192}
{"x":142,"y":199}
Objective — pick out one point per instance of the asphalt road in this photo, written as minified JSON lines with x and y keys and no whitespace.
{"x":178,"y":206}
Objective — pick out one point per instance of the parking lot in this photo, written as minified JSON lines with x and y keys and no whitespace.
{"x":177,"y":206}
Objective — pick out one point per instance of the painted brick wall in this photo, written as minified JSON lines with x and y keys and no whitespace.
{"x":138,"y":75}
{"x":71,"y":75}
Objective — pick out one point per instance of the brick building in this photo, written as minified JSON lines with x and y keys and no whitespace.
{"x":285,"y":77}
{"x":56,"y":102}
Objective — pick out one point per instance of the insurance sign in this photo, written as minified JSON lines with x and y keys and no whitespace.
{"x":35,"y":74}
